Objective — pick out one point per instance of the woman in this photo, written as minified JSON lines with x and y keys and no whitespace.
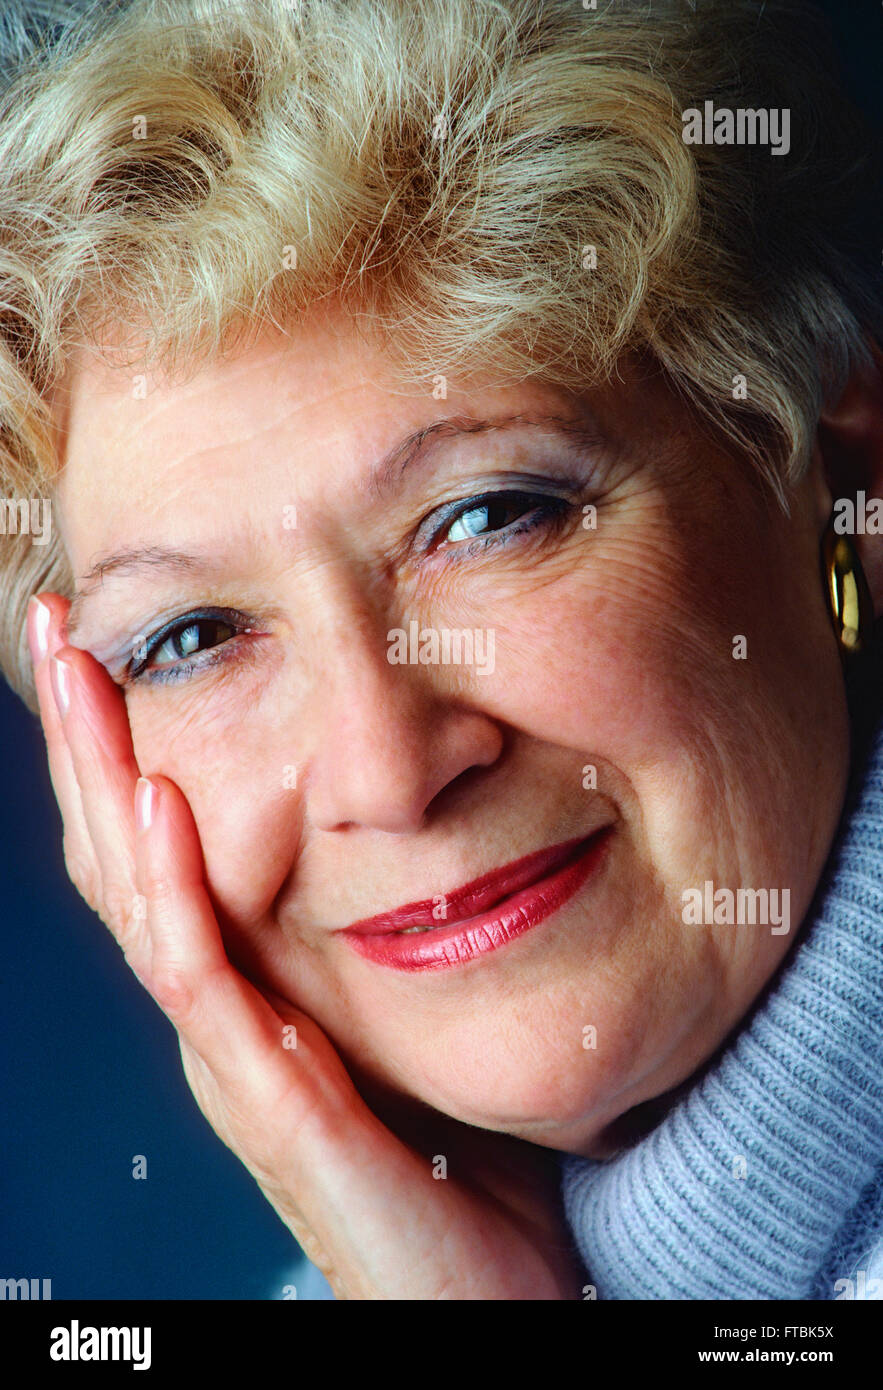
{"x":456,"y":647}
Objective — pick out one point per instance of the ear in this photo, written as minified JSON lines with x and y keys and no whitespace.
{"x":850,"y":446}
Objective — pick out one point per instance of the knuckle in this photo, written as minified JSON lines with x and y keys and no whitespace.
{"x":174,"y":991}
{"x":122,"y":908}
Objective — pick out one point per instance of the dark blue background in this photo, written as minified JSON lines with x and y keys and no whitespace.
{"x":91,"y":1077}
{"x":91,"y":1070}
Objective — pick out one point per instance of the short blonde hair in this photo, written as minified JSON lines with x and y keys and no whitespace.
{"x":500,"y":186}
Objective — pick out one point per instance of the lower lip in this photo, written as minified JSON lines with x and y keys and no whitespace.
{"x":464,"y":941}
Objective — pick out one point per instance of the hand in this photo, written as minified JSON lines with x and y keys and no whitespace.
{"x":362,"y":1203}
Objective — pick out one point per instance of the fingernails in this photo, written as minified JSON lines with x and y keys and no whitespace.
{"x":38,"y":629}
{"x":60,"y":676}
{"x":146,"y":800}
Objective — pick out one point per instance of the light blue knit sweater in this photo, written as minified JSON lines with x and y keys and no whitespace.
{"x":795,"y":1102}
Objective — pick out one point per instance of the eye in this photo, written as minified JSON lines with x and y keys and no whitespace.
{"x":177,"y":647}
{"x":184,"y":641}
{"x":485,"y":518}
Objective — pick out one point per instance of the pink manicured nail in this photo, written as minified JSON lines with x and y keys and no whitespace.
{"x":38,"y":629}
{"x":60,"y":676}
{"x":146,"y":798}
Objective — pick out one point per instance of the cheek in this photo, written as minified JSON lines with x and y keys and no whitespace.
{"x":608,"y":658}
{"x":634,"y":665}
{"x":235,"y":770}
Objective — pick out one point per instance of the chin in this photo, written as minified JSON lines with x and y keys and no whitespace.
{"x":556,"y":1105}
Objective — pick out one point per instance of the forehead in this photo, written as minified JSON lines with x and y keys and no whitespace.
{"x":128,"y":431}
{"x":297,"y":415}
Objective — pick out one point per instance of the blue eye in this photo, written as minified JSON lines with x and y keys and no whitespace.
{"x":175,"y":650}
{"x":498,"y":516}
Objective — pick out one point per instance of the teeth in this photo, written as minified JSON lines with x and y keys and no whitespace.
{"x":408,"y":930}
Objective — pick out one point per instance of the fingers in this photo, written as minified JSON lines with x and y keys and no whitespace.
{"x":332,"y":1171}
{"x":186,"y":947}
{"x":93,"y":768}
{"x":96,"y":728}
{"x":228,"y":1023}
{"x":46,"y":617}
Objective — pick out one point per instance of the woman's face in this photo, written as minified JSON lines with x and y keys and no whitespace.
{"x":675,"y":640}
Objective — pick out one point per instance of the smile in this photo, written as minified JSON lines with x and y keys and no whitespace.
{"x":481,"y":916}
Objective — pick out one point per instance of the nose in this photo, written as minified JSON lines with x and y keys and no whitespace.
{"x":387,"y":739}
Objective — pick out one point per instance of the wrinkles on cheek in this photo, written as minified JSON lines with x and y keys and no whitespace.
{"x":605,"y":636}
{"x":207,"y":704}
{"x":515,"y":580}
{"x":175,"y":737}
{"x":248,"y":820}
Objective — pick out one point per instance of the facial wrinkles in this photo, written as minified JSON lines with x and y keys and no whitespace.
{"x":607,"y":659}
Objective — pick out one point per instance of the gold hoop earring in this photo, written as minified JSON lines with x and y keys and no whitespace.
{"x":849,"y":598}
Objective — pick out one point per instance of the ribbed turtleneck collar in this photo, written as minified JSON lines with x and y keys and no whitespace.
{"x":795,"y":1101}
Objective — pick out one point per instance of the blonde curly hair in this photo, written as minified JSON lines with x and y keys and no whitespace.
{"x":499,"y":186}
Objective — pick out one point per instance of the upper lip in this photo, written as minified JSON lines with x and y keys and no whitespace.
{"x":477,"y":896}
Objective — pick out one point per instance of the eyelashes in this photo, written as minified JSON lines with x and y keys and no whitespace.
{"x":481,"y":521}
{"x":180,"y":638}
{"x":205,"y":637}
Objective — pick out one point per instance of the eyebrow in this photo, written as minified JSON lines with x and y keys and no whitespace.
{"x":413,"y":449}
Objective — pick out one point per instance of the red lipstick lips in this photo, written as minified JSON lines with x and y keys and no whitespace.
{"x":482,"y":915}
